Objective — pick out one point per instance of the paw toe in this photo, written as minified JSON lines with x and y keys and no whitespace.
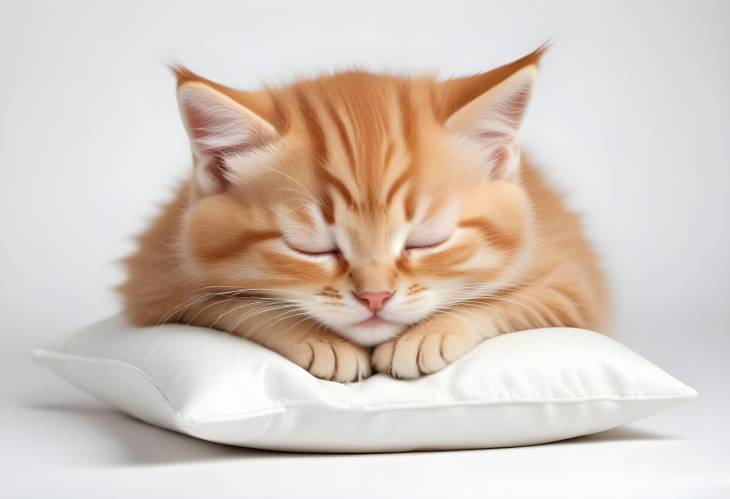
{"x":352,"y":364}
{"x":405,"y":357}
{"x":382,"y":358}
{"x":430,"y":359}
{"x":454,"y":346}
{"x":323,"y":360}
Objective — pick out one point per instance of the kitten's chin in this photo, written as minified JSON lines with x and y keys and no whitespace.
{"x":371,"y":332}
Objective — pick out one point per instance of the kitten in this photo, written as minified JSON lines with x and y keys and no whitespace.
{"x":360,"y":210}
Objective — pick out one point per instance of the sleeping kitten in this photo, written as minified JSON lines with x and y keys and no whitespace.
{"x":359,"y":220}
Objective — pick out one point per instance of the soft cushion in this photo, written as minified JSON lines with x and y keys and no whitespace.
{"x":522,"y":388}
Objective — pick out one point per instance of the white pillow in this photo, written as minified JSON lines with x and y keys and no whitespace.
{"x":522,"y":388}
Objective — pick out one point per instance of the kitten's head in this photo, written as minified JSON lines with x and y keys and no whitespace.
{"x":368,"y":201}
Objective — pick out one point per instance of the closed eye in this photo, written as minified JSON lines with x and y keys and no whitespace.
{"x":429,"y":235}
{"x":423,"y":245}
{"x":326,"y":252}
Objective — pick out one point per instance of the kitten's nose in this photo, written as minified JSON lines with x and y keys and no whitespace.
{"x":374,"y":300}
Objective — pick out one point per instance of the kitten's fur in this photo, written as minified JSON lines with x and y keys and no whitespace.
{"x":309,"y":204}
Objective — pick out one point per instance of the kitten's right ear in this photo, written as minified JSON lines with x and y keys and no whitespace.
{"x":487,"y":111}
{"x":218,"y":127}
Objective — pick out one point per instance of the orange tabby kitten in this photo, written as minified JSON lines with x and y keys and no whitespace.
{"x":360,"y":210}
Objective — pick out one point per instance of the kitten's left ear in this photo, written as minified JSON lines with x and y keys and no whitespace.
{"x":490,"y":122}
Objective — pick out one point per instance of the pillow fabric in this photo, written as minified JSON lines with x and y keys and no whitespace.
{"x":522,"y":388}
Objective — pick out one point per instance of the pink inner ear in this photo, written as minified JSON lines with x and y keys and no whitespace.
{"x":217,"y":134}
{"x":199,"y":125}
{"x":499,"y":156}
{"x":496,"y":127}
{"x":515,"y":108}
{"x":216,"y":165}
{"x":493,"y":135}
{"x":217,"y":125}
{"x":498,"y":159}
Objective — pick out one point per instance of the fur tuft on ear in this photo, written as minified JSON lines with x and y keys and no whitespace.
{"x":183,"y":74}
{"x":218,"y":126}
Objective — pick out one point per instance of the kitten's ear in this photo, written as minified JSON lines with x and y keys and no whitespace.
{"x":218,"y":127}
{"x":490,"y":121}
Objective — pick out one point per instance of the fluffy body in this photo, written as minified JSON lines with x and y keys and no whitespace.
{"x":307,"y":200}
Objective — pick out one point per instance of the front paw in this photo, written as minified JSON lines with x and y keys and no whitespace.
{"x":332,"y":358}
{"x":425,"y":348}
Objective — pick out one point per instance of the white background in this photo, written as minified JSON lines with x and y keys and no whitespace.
{"x":630,"y":118}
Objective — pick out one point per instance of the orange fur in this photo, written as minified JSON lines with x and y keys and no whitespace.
{"x":356,"y":183}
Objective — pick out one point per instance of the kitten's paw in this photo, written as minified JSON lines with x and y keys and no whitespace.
{"x":333,"y":358}
{"x":425,"y":348}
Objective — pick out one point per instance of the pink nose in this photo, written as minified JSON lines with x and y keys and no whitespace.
{"x":374,"y":300}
